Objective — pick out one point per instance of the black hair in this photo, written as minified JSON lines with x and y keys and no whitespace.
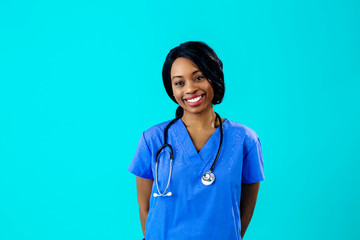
{"x":205,"y":59}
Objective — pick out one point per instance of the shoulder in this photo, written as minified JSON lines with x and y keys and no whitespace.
{"x":156,"y":131}
{"x":248,"y":135}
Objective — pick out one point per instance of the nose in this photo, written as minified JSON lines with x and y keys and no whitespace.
{"x":190,"y":87}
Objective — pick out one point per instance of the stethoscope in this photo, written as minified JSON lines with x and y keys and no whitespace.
{"x":207,"y":178}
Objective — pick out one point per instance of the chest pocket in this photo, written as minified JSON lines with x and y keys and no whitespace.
{"x":228,"y":171}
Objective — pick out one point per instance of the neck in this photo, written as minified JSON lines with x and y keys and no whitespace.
{"x":204,"y":120}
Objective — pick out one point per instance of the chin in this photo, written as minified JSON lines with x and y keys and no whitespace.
{"x":195,"y":111}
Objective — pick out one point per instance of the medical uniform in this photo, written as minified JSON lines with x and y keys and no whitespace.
{"x":197,"y":211}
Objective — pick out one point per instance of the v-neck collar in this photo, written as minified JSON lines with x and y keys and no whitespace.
{"x":207,"y":153}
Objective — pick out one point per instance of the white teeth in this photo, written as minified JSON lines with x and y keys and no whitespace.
{"x":194,"y":99}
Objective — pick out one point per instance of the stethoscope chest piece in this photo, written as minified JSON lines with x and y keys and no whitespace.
{"x":208,"y":178}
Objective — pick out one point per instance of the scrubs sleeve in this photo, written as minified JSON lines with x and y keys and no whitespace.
{"x":253,"y":165}
{"x":141,"y":162}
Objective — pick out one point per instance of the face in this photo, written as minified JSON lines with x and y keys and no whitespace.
{"x":192,"y":91}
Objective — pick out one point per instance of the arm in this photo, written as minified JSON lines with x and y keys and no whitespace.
{"x":247,"y":204}
{"x":144,"y":188}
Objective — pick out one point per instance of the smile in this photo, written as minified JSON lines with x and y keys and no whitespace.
{"x":194,"y":100}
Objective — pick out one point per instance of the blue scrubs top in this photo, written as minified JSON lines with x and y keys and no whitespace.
{"x":196,"y":211}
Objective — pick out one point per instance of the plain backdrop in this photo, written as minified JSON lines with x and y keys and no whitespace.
{"x":81,"y":80}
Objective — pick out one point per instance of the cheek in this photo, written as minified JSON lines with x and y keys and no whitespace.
{"x":177,"y":96}
{"x":210,"y":91}
{"x":173,"y":92}
{"x":211,"y":95}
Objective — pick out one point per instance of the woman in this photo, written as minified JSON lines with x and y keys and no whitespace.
{"x":209,"y":189}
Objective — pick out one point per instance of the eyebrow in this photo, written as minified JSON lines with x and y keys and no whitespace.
{"x":182,"y":76}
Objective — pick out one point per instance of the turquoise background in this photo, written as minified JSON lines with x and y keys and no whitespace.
{"x":81,"y":80}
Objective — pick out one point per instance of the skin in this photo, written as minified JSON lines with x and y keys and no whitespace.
{"x":187,"y":81}
{"x":248,"y":198}
{"x":199,"y":120}
{"x":143,"y":187}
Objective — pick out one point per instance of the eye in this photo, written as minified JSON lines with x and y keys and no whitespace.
{"x":198,"y":78}
{"x":178,"y":83}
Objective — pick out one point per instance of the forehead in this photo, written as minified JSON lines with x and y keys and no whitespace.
{"x":183,"y":66}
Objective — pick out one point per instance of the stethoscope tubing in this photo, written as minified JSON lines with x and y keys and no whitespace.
{"x":204,"y":180}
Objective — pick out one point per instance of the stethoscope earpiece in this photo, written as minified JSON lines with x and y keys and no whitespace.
{"x":166,"y":195}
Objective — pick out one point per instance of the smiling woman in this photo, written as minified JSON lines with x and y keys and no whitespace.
{"x":195,"y":61}
{"x":192,"y":91}
{"x":196,"y":156}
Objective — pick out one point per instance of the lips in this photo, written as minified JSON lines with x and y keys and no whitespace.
{"x":194,"y":100}
{"x":193,"y":97}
